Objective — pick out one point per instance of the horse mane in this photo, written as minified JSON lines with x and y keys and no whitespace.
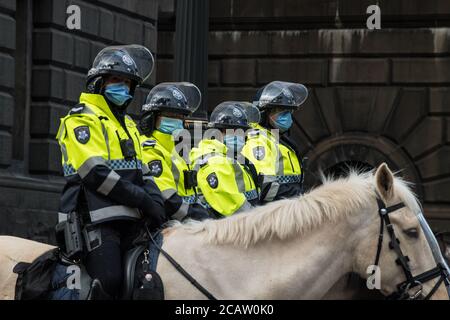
{"x":333,"y":200}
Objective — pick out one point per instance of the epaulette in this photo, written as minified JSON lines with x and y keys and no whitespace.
{"x":203,"y":162}
{"x":149,"y":143}
{"x":253,"y":133}
{"x":79,"y":108}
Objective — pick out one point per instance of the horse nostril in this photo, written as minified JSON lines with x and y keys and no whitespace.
{"x":412,"y":233}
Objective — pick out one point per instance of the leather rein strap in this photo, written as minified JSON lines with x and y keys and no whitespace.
{"x":402,"y":260}
{"x":181,"y":269}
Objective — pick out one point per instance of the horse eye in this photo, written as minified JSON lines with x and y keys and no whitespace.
{"x":412,"y":233}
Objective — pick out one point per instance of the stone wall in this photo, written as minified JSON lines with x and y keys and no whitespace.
{"x":59,"y":58}
{"x":375,"y":95}
{"x":62,"y":57}
{"x":7,"y":80}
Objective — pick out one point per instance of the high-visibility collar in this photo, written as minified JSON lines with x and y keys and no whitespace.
{"x":98,"y":101}
{"x":164,"y":139}
{"x":212,"y":146}
{"x":265,"y":131}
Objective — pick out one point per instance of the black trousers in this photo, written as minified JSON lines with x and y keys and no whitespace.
{"x":106,"y":262}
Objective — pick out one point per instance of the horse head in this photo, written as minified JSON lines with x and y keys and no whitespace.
{"x":396,"y":252}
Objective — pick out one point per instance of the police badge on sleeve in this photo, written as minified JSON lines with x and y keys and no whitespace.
{"x":212,"y":180}
{"x":82,"y":134}
{"x":259,"y":152}
{"x":155,"y":167}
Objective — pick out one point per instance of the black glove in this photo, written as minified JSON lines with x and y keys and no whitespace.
{"x":153,"y":211}
{"x":197,"y":212}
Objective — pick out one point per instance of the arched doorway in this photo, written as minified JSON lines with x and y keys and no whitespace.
{"x":366,"y":126}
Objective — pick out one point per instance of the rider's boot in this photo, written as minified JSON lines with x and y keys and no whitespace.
{"x":97,"y":292}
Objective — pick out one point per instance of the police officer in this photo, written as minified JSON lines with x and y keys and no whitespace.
{"x":162,"y":117}
{"x":102,"y":164}
{"x":226,"y":182}
{"x":274,"y":155}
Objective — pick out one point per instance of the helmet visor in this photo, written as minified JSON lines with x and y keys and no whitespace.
{"x":253,"y":114}
{"x":230,"y":114}
{"x":284,"y":94}
{"x":182,"y":97}
{"x":132,"y":61}
{"x":143,"y":58}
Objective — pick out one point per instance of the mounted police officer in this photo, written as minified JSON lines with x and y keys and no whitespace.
{"x":163,"y":114}
{"x":277,"y":161}
{"x":105,"y":196}
{"x":226,"y":181}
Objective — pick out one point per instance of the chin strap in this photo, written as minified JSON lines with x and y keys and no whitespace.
{"x":95,"y":85}
{"x":147,"y":123}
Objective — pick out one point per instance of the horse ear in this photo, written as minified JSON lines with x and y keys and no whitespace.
{"x":384,"y":180}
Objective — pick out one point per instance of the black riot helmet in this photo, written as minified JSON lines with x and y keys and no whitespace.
{"x":182,"y":98}
{"x":280,"y":94}
{"x":230,"y":114}
{"x":134,"y":62}
{"x":178,"y":97}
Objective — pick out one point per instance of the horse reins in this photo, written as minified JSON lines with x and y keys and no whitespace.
{"x":180,"y":269}
{"x":403,"y":261}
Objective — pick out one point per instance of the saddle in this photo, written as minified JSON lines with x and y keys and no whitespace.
{"x":52,"y":277}
{"x":141,"y":281}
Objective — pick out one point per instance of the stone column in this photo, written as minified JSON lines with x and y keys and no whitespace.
{"x":191,"y":47}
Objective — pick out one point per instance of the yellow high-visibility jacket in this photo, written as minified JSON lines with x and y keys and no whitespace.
{"x":277,"y":164}
{"x":102,"y":164}
{"x":171,"y":174}
{"x":226,"y":186}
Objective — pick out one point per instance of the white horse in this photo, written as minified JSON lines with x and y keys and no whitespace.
{"x":300,"y":248}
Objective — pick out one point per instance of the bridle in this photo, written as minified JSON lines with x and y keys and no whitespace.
{"x":403,"y":261}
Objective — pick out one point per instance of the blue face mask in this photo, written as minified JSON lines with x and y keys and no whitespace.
{"x":281,"y":120}
{"x":169,"y":125}
{"x":235,"y":143}
{"x":118,"y":93}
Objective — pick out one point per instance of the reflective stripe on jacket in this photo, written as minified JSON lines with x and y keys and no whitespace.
{"x":168,"y":169}
{"x":94,"y":164}
{"x":277,"y":163}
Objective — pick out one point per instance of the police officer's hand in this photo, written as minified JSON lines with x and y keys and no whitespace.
{"x":197,"y":212}
{"x":153,"y":211}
